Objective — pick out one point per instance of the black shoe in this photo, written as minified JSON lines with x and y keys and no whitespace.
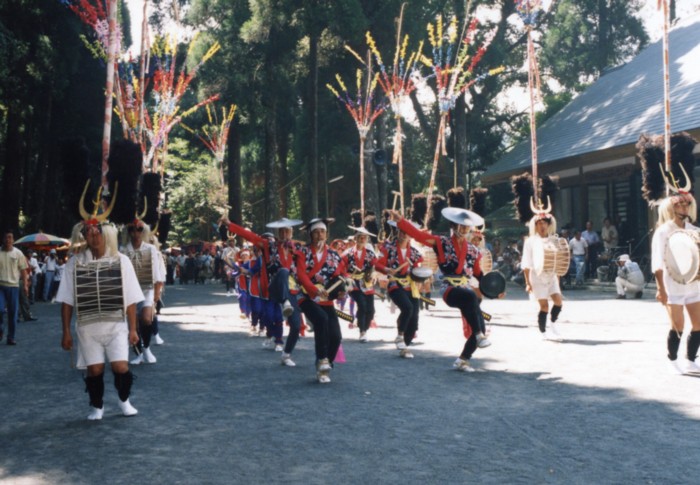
{"x":32,"y":319}
{"x":11,"y":342}
{"x":638,"y":295}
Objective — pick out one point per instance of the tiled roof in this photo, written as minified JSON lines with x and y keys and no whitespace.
{"x":620,"y":105}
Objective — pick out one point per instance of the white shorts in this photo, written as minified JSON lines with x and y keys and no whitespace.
{"x":686,"y":299}
{"x":92,"y":348}
{"x":544,"y":286}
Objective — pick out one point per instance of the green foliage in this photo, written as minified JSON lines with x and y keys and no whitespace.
{"x":587,"y":36}
{"x":193,"y":192}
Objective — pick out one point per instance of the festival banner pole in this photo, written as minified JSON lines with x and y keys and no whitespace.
{"x":531,"y":66}
{"x":109,"y":86}
{"x":142,"y":77}
{"x":667,"y":87}
{"x":398,"y":143}
{"x":529,"y":11}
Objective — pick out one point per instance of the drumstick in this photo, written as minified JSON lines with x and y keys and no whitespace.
{"x":335,"y":285}
{"x":402,"y":266}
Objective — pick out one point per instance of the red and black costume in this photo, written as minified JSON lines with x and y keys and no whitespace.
{"x":319,"y":267}
{"x":458,"y":260}
{"x":360,"y":264}
{"x":402,"y":290}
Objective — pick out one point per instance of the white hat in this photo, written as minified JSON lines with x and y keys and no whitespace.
{"x":623,"y":258}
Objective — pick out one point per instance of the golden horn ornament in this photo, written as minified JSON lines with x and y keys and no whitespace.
{"x":145,"y":209}
{"x":83,"y":213}
{"x":673,"y":184}
{"x":105,"y":215}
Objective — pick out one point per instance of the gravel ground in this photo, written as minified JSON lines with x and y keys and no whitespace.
{"x":600,"y":407}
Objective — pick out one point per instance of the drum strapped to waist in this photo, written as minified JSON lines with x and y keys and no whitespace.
{"x":420,"y":274}
{"x":682,"y":256}
{"x":99,"y":295}
{"x":143,"y":266}
{"x":550,"y":255}
{"x":492,"y":284}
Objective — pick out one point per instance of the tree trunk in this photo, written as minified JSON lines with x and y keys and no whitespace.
{"x":282,"y":156}
{"x":313,"y":174}
{"x":603,"y":28}
{"x":423,"y":122}
{"x":12,"y":172}
{"x":270,"y":188}
{"x":234,"y":173}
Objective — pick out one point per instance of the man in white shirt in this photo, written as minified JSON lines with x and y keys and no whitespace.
{"x":579,"y":251}
{"x":50,"y":264}
{"x":97,"y":339}
{"x":609,"y":235}
{"x":34,"y":269}
{"x":630,"y":278}
{"x":151,"y":286}
{"x":13,"y":272}
{"x":593,"y":240}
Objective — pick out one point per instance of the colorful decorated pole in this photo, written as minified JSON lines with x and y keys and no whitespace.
{"x":215,"y":134}
{"x":529,"y":11}
{"x":109,"y":85}
{"x":106,"y":46}
{"x":169,"y":87}
{"x":143,"y":66}
{"x":364,"y":110}
{"x":663,"y":4}
{"x":397,"y":85}
{"x":453,"y":67}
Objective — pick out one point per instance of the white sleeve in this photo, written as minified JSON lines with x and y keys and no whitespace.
{"x":66,"y":290}
{"x":526,"y":261}
{"x":158,"y":266}
{"x":658,"y":247}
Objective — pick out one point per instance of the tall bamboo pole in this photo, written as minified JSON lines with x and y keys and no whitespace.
{"x":109,"y":85}
{"x":667,"y":88}
{"x":531,"y":73}
{"x":142,"y":76}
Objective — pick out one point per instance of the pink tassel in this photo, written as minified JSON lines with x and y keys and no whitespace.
{"x":340,"y":355}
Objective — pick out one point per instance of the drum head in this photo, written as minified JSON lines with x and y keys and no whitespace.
{"x":682,"y":257}
{"x":537,"y":254}
{"x":492,"y":284}
{"x":421,"y":274}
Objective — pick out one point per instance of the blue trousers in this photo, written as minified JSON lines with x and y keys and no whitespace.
{"x":48,"y":280}
{"x":9,"y":299}
{"x":279,"y":292}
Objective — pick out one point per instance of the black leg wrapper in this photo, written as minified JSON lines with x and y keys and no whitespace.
{"x":693,"y":345}
{"x":556,"y":310}
{"x":673,"y":342}
{"x":146,"y":331}
{"x":542,"y":321}
{"x":95,"y":387}
{"x":123,"y":384}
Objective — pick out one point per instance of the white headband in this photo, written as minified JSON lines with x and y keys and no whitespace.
{"x":317,"y":225}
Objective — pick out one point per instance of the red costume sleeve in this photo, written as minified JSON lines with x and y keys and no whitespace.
{"x":303,"y":276}
{"x":248,"y":235}
{"x":425,"y":238}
